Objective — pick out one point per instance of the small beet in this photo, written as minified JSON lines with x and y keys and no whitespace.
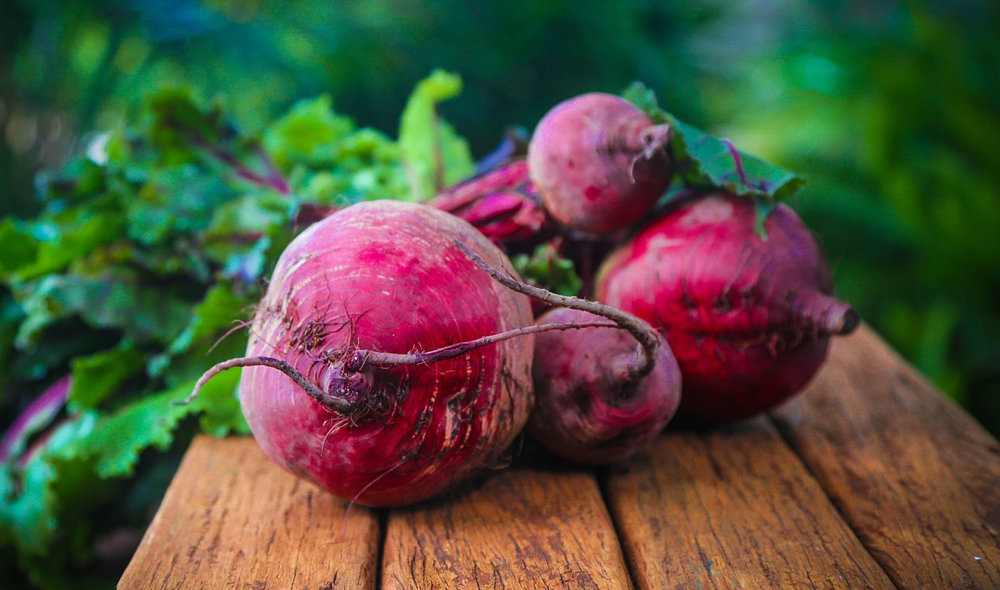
{"x":587,"y":409}
{"x":603,"y":392}
{"x":599,"y":163}
{"x":747,"y":317}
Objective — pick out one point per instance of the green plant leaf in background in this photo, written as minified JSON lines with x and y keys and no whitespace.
{"x":140,"y":273}
{"x":61,"y":484}
{"x":547,"y":269}
{"x":97,"y":377}
{"x":435,"y":155}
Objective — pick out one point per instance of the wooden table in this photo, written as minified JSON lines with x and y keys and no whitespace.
{"x":869,"y":479}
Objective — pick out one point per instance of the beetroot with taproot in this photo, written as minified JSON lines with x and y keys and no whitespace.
{"x":748,"y":317}
{"x":599,"y":163}
{"x":592,"y":405}
{"x":600,"y":393}
{"x":335,"y":387}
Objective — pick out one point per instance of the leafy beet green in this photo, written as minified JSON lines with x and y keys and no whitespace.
{"x":706,"y":163}
{"x":149,"y":252}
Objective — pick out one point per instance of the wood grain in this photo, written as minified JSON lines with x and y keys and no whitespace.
{"x":732,"y":508}
{"x":232,"y":519}
{"x":916,"y":477}
{"x":524,"y":528}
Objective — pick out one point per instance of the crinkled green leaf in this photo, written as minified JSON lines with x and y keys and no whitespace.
{"x":153,"y":250}
{"x":58,"y":240}
{"x":547,"y":269}
{"x":79,"y":180}
{"x":98,"y":376}
{"x":215,"y":333}
{"x":27,"y":520}
{"x":238,"y":228}
{"x":19,"y":248}
{"x":307,"y":134}
{"x":30,"y":507}
{"x":119,"y":438}
{"x":181,"y":199}
{"x":118,"y":298}
{"x":182,"y":123}
{"x":706,"y":162}
{"x":185,"y":130}
{"x":434,"y":153}
{"x":62,"y":481}
{"x":215,"y":315}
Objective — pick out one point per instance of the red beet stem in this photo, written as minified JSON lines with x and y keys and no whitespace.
{"x":36,"y":416}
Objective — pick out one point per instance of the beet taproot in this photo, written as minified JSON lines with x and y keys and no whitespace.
{"x":588,"y":407}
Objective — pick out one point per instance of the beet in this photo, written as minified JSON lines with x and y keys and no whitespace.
{"x":599,"y":163}
{"x":747,"y":317}
{"x":587,"y":408}
{"x":602,"y":389}
{"x":385,"y":277}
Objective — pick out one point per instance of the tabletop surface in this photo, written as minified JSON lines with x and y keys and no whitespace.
{"x":868,"y":479}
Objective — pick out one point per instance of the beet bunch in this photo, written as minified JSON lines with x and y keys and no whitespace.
{"x":731,"y":280}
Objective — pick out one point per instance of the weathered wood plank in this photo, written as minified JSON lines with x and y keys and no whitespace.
{"x":523,"y":528}
{"x":732,"y":507}
{"x":916,"y":477}
{"x":232,"y":519}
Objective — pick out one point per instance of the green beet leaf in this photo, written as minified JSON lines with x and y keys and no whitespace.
{"x":434,"y":153}
{"x":62,"y":482}
{"x":307,"y":134}
{"x":117,"y":298}
{"x":98,"y":376}
{"x":705,"y":162}
{"x":547,"y":269}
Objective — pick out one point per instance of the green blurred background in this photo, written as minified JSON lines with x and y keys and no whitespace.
{"x":890,"y":108}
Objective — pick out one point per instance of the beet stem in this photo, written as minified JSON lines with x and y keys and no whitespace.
{"x":390,"y":359}
{"x":649,"y":344}
{"x":655,"y":139}
{"x":737,"y":160}
{"x":336,"y":404}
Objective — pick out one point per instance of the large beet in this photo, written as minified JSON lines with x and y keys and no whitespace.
{"x":388,"y":277}
{"x":748,"y":318}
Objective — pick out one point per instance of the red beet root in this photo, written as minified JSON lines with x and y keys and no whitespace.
{"x":587,"y":409}
{"x":747,"y":318}
{"x":601,"y":393}
{"x":599,"y":163}
{"x":385,"y":429}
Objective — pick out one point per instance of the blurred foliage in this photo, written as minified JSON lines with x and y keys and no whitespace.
{"x":888,"y":107}
{"x":148,"y":254}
